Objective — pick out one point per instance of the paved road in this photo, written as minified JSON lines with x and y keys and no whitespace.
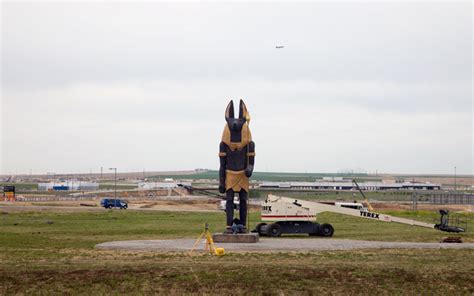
{"x":279,"y":244}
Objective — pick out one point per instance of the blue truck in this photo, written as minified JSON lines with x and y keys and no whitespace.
{"x":110,"y":203}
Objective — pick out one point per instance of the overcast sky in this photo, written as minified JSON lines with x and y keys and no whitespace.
{"x":136,"y":86}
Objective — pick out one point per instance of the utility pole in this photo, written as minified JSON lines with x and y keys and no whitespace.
{"x":455,"y":180}
{"x":115,"y":179}
{"x":101,"y":170}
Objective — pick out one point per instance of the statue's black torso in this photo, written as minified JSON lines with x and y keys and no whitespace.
{"x":236,"y":160}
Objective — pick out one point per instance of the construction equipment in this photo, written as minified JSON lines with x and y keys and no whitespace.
{"x":288,"y":215}
{"x":450,"y":224}
{"x":202,"y":191}
{"x":366,"y":200}
{"x":351,"y":205}
{"x":210,"y":247}
{"x":222,"y":203}
{"x":298,"y":216}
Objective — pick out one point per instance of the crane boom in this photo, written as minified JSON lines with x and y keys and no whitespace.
{"x":278,"y":208}
{"x":369,"y":206}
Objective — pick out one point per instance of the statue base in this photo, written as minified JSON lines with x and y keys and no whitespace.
{"x":235,"y":238}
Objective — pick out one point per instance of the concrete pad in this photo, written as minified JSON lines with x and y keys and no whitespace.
{"x":277,"y":244}
{"x":240,"y":238}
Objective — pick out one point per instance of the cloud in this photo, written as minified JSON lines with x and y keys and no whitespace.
{"x":166,"y":125}
{"x":144,"y":85}
{"x":53,"y":43}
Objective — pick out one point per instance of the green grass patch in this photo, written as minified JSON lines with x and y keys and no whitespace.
{"x":53,"y":253}
{"x":85,"y":229}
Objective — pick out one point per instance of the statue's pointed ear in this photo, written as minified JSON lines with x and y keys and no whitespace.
{"x":229,"y":111}
{"x":242,"y":110}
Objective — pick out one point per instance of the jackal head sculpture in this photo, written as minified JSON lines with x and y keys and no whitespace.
{"x":236,"y":131}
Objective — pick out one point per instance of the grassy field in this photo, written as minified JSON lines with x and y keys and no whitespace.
{"x":53,"y":253}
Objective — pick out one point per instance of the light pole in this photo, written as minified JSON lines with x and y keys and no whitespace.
{"x":455,"y":180}
{"x":115,"y":180}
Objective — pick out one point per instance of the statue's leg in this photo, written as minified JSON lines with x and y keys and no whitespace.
{"x":243,"y":207}
{"x":229,"y":206}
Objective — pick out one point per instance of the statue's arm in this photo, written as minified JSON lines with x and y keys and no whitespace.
{"x":251,"y":159}
{"x":223,"y":165}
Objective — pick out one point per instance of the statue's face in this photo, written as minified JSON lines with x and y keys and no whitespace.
{"x":235,"y":124}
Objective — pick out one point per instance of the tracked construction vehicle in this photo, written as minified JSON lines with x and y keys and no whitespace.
{"x":288,"y":215}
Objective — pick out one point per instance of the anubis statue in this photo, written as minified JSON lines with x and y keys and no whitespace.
{"x":237,"y":157}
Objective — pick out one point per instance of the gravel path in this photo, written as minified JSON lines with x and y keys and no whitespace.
{"x":279,"y":244}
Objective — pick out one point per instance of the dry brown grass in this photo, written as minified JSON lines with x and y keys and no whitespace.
{"x":408,"y":272}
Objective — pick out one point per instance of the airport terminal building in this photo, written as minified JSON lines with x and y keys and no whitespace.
{"x":368,"y":186}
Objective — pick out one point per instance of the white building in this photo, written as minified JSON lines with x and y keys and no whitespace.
{"x":161,"y":185}
{"x":68,"y":185}
{"x":371,"y":186}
